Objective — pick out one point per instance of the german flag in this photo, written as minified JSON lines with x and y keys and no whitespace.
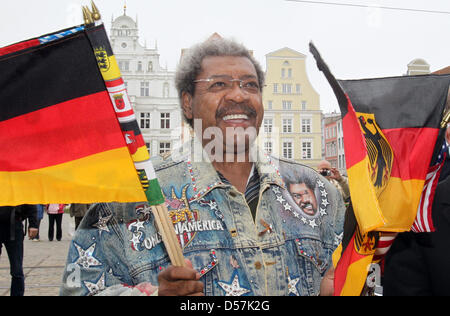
{"x":391,"y":128}
{"x":353,"y":257}
{"x":60,"y":139}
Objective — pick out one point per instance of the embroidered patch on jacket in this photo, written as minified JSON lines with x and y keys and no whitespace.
{"x":234,"y":286}
{"x":139,"y":240}
{"x":187,"y":222}
{"x":305,"y":199}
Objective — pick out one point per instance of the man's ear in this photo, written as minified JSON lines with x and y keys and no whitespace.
{"x":186,"y":105}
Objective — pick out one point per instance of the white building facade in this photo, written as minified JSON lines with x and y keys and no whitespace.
{"x":150,"y":86}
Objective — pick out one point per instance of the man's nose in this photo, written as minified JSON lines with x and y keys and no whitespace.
{"x":236,"y":93}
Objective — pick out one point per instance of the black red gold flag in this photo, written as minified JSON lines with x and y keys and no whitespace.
{"x":391,"y":128}
{"x":60,"y":138}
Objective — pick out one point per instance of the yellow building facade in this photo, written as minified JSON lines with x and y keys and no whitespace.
{"x":292,"y":126}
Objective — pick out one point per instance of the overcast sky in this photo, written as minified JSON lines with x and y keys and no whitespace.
{"x":355,"y":42}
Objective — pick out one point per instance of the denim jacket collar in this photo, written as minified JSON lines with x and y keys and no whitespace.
{"x":204,"y":177}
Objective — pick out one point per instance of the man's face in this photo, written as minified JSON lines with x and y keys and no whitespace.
{"x":304,"y":197}
{"x":324,"y":168}
{"x":230,"y":109}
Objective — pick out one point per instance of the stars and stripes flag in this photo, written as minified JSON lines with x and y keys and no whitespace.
{"x":423,"y":222}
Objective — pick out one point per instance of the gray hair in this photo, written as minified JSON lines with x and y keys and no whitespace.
{"x":191,"y":63}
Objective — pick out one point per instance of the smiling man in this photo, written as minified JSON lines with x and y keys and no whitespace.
{"x":238,"y":224}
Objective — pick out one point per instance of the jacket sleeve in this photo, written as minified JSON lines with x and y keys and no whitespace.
{"x":343,"y":183}
{"x":96,"y":262}
{"x":30,"y":212}
{"x":339,"y":219}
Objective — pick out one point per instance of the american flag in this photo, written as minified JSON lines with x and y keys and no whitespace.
{"x":424,"y":222}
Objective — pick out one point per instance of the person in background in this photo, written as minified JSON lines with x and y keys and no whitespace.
{"x":55,"y":214}
{"x":40,"y":216}
{"x":12,"y":235}
{"x":334,"y":176}
{"x":78,"y":211}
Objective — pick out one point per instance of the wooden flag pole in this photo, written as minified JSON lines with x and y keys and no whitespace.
{"x":168,"y":233}
{"x":142,"y":161}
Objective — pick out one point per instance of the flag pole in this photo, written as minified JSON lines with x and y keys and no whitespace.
{"x":141,"y":158}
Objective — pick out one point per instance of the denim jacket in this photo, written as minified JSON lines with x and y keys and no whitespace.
{"x":284,"y":251}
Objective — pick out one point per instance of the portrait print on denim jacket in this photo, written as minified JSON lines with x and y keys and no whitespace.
{"x":285,"y":250}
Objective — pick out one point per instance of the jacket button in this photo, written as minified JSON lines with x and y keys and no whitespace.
{"x":258,"y":265}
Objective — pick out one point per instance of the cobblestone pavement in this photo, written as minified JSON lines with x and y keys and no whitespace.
{"x":43,"y":262}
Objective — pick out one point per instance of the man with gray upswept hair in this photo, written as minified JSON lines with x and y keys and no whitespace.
{"x":191,"y":63}
{"x":240,"y":232}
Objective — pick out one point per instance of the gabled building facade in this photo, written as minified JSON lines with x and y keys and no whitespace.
{"x":292,"y":121}
{"x":151,"y":87}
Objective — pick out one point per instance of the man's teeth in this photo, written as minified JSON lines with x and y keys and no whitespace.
{"x":235,"y":117}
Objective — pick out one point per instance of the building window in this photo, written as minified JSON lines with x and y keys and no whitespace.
{"x":289,"y":73}
{"x":298,"y":88}
{"x":164,"y":147}
{"x":145,"y":120}
{"x":287,"y":150}
{"x":306,"y":126}
{"x":331,"y":149}
{"x":275,"y":88}
{"x":145,"y":89}
{"x":269,"y":105}
{"x":268,"y":147}
{"x":287,"y":125}
{"x":283,"y":72}
{"x":165,"y":120}
{"x":306,"y":150}
{"x":303,"y":105}
{"x":148,"y":148}
{"x":139,"y":66}
{"x":287,"y":105}
{"x":124,"y":65}
{"x":286,"y":88}
{"x":150,"y":66}
{"x":268,"y":125}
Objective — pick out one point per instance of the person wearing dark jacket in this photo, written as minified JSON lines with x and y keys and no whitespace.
{"x":12,"y":235}
{"x":418,"y":263}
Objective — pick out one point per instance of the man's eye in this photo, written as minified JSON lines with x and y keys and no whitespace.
{"x":218,"y":84}
{"x":251,"y":84}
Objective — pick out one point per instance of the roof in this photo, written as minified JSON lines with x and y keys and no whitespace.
{"x":286,"y":52}
{"x":442,"y":71}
